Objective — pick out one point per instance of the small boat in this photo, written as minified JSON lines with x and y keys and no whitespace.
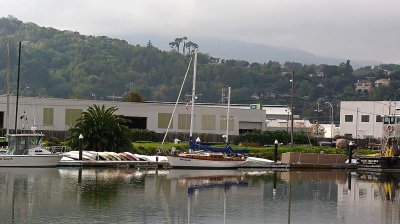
{"x":130,"y":156}
{"x":75,"y":155}
{"x":25,"y":150}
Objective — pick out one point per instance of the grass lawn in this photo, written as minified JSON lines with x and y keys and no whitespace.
{"x":151,"y":148}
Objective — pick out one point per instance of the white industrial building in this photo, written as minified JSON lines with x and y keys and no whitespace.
{"x":51,"y":114}
{"x":366,"y":119}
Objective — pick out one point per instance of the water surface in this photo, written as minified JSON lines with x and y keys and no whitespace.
{"x":124,"y":195}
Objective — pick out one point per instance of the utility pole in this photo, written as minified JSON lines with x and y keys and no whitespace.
{"x":317,"y":122}
{"x":292,"y":111}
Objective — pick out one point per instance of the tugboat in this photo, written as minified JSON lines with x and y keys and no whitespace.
{"x":389,"y":154}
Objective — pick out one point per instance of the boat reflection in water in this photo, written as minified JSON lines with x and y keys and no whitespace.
{"x":196,"y":180}
{"x":208,"y":180}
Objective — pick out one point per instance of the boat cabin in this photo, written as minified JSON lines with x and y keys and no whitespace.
{"x":391,"y":126}
{"x":22,"y":144}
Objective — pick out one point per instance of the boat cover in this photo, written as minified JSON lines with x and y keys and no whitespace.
{"x":227,"y":149}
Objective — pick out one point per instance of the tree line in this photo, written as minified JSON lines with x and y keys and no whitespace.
{"x":66,"y":64}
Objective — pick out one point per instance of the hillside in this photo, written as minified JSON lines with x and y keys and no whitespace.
{"x":66,"y":64}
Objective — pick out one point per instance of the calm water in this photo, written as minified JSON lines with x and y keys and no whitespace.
{"x":59,"y":195}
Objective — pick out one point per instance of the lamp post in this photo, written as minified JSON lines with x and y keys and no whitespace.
{"x":80,"y":146}
{"x":26,"y":88}
{"x":291,"y":111}
{"x":287,"y":120}
{"x":276,"y":151}
{"x":350,"y":151}
{"x":331,"y":120}
{"x":318,"y":111}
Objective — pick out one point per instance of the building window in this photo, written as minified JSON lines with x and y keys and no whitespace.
{"x":184,"y":121}
{"x":348,"y":118}
{"x":388,"y":120}
{"x":163,"y":120}
{"x":223,"y":123}
{"x":48,"y":116}
{"x":208,"y":122}
{"x":379,"y":118}
{"x":71,"y":115}
{"x":364,"y":118}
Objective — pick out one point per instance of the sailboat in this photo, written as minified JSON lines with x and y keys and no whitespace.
{"x":204,"y":156}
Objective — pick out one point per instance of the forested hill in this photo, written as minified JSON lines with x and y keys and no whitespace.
{"x":66,"y":64}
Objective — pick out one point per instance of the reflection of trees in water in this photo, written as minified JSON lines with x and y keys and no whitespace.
{"x":105,"y":186}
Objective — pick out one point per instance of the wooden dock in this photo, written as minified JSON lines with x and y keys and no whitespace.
{"x":165,"y":165}
{"x":133,"y":164}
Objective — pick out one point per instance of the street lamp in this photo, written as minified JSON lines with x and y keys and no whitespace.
{"x":291,"y":110}
{"x":287,"y":119}
{"x":331,"y":120}
{"x":26,"y":87}
{"x":80,"y":146}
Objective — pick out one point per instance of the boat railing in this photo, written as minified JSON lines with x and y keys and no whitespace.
{"x":58,"y":149}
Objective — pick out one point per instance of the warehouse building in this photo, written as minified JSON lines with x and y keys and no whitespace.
{"x":59,"y":115}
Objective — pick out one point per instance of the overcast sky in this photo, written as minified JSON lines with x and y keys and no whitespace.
{"x":360,"y":29}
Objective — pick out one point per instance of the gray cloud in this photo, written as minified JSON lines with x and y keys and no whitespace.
{"x":363,"y":29}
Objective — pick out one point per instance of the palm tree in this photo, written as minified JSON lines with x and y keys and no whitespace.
{"x":188,"y":45}
{"x":184,"y":45}
{"x":172,"y":45}
{"x":178,"y":42}
{"x":102,"y":130}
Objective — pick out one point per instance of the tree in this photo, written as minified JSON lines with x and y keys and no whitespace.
{"x":178,"y":42}
{"x":184,"y":44}
{"x":102,"y":131}
{"x":172,"y":45}
{"x":133,"y":96}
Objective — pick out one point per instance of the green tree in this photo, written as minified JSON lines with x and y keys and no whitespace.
{"x":133,"y":96}
{"x":102,"y":131}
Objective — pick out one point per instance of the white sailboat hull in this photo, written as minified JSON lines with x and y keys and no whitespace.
{"x":187,"y":162}
{"x":29,"y":160}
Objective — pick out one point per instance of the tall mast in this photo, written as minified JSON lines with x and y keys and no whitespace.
{"x":19,"y":69}
{"x":8,"y":89}
{"x":193,"y":94}
{"x":227,"y":116}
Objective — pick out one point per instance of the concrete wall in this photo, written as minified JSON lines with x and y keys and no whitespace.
{"x":313,"y":158}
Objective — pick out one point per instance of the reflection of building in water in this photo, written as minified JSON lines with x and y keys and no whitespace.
{"x":368,"y":196}
{"x":19,"y":188}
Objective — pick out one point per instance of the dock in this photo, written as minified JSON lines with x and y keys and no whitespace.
{"x":132,"y":164}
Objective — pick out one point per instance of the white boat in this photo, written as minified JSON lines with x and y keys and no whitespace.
{"x":203,"y":156}
{"x":25,"y":150}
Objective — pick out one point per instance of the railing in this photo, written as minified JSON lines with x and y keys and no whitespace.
{"x":58,"y":149}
